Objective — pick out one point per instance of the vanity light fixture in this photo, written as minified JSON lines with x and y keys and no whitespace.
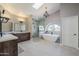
{"x":3,"y":19}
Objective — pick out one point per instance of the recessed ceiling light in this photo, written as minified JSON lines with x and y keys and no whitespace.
{"x":37,"y":5}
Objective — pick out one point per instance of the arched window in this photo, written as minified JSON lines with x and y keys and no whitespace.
{"x":52,"y":27}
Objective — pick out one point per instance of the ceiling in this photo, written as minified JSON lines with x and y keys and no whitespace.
{"x":26,"y":9}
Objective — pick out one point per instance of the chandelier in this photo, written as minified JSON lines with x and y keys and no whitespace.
{"x":45,"y":13}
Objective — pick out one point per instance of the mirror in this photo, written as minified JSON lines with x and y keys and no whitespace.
{"x":19,"y":27}
{"x":52,"y":29}
{"x":13,"y":27}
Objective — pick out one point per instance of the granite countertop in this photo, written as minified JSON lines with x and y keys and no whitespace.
{"x":8,"y":37}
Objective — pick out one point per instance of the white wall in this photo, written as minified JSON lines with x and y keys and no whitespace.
{"x":69,"y":9}
{"x":54,"y":18}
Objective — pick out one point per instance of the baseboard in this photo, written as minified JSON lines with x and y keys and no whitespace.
{"x":62,"y":45}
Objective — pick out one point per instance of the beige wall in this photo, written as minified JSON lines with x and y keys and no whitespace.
{"x":6,"y":27}
{"x":28,"y":23}
{"x":14,"y":19}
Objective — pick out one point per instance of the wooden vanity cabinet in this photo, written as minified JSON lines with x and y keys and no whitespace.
{"x":9,"y":48}
{"x":22,"y":36}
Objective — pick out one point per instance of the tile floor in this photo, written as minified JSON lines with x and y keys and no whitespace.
{"x":40,"y":47}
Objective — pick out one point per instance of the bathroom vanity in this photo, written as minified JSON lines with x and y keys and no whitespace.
{"x":22,"y":36}
{"x":8,"y":45}
{"x":19,"y":29}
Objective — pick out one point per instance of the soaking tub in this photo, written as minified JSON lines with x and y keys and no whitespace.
{"x":51,"y":37}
